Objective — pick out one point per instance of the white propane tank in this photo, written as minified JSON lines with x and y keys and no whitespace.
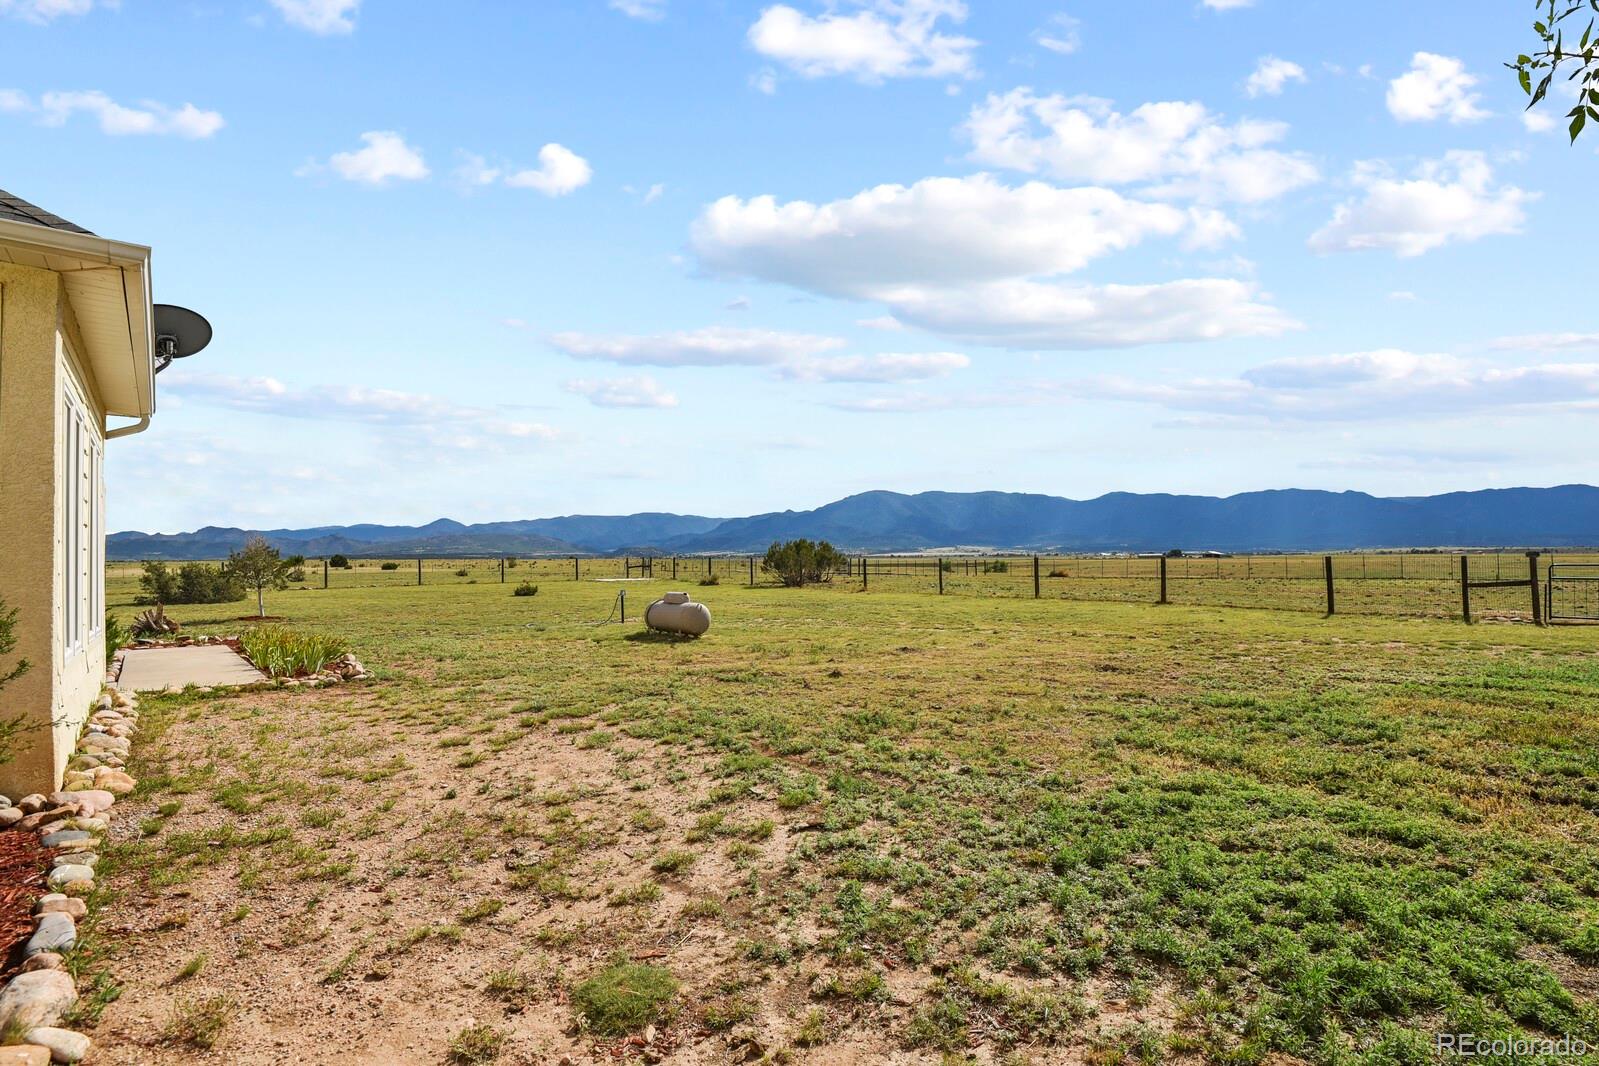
{"x":676,"y":613}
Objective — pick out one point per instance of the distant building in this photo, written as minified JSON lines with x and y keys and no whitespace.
{"x":76,"y":348}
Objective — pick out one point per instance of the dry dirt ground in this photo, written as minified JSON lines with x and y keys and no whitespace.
{"x":316,"y":880}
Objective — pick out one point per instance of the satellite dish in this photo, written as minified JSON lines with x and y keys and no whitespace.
{"x":179,"y":333}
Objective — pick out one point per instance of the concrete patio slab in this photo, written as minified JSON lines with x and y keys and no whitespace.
{"x":167,"y":669}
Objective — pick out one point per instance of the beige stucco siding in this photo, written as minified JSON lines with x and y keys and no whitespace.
{"x":38,"y":371}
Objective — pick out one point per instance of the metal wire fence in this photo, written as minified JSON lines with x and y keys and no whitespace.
{"x":1416,"y":584}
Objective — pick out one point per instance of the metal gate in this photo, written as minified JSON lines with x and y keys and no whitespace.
{"x":1572,"y":592}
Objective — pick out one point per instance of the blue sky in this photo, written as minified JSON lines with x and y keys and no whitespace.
{"x":502,"y":260}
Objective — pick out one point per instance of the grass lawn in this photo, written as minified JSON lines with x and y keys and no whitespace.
{"x":849,"y":827}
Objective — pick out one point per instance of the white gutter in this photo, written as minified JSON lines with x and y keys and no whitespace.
{"x":129,"y":430}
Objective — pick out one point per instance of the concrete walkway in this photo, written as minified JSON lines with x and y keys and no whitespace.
{"x":166,"y":669}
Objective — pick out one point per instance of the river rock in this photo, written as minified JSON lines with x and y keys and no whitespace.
{"x":11,"y":816}
{"x":55,"y":932}
{"x":64,"y":1044}
{"x":33,"y":803}
{"x":35,"y":999}
{"x":95,"y":742}
{"x":56,"y":903}
{"x":91,"y":801}
{"x":65,"y":836}
{"x":114,"y":781}
{"x":45,"y":960}
{"x":72,"y":875}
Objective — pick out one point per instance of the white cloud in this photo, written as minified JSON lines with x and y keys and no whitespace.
{"x":648,"y":10}
{"x":1537,"y":121}
{"x":737,"y":303}
{"x":1382,"y":384}
{"x":1435,"y":87}
{"x":887,"y":323}
{"x":1060,"y":316}
{"x":1548,"y":342}
{"x":654,"y":193}
{"x":883,"y":39}
{"x":1448,"y":199}
{"x":894,"y":366}
{"x":641,"y":391}
{"x":937,"y":231}
{"x":386,"y":157}
{"x":1227,"y":5}
{"x":711,"y":346}
{"x":971,"y":258}
{"x":1271,"y":74}
{"x":475,"y":171}
{"x":45,"y":10}
{"x":1174,"y":148}
{"x":794,"y":356}
{"x":352,"y":403}
{"x":1402,"y":296}
{"x":1061,"y":35}
{"x":323,"y":17}
{"x":560,"y":171}
{"x":119,"y":120}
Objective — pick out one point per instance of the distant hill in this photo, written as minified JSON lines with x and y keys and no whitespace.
{"x":1276,"y":520}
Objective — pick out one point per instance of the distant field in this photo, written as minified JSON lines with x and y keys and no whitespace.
{"x":1386,"y":583}
{"x":853,"y":826}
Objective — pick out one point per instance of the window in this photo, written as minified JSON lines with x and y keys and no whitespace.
{"x":82,"y":529}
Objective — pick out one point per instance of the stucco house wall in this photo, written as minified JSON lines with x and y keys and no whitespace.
{"x":52,"y":443}
{"x":77,"y":347}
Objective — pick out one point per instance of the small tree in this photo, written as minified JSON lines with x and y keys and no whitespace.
{"x":259,"y":566}
{"x":338,"y":562}
{"x":801,"y":562}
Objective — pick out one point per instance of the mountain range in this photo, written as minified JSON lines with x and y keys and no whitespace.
{"x":1274,"y":520}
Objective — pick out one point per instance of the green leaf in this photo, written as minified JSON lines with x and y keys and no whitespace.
{"x":1526,"y":82}
{"x":1577,"y":123}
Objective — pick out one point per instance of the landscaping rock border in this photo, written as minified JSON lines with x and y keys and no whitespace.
{"x":70,"y":823}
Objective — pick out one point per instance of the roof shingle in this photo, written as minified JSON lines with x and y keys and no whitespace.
{"x":16,"y":209}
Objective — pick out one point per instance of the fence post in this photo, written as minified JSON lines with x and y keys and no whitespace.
{"x":1327,"y":564}
{"x":863,"y":573}
{"x":752,"y":571}
{"x":1465,"y":590}
{"x":940,"y":577}
{"x":707,"y":566}
{"x":502,"y":569}
{"x":1532,"y":576}
{"x":418,"y":569}
{"x":674,"y":568}
{"x":324,"y":573}
{"x":574,"y":569}
{"x":1163,"y":579}
{"x":1036,"y":590}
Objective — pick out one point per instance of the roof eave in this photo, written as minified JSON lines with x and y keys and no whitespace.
{"x":133,"y":360}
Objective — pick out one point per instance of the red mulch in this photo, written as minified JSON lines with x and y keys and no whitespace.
{"x":22,"y":866}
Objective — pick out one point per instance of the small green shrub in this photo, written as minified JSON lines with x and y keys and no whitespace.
{"x":1058,"y":572}
{"x":526,"y":588}
{"x":189,"y":583}
{"x":623,"y":997}
{"x":461,"y":572}
{"x":999,"y":566}
{"x":476,"y":1045}
{"x":711,"y":580}
{"x":116,"y":635}
{"x":803,"y":562}
{"x":339,"y":562}
{"x":389,"y":566}
{"x":279,"y":651}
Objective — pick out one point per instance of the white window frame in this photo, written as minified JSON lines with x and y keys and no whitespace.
{"x":81,"y":522}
